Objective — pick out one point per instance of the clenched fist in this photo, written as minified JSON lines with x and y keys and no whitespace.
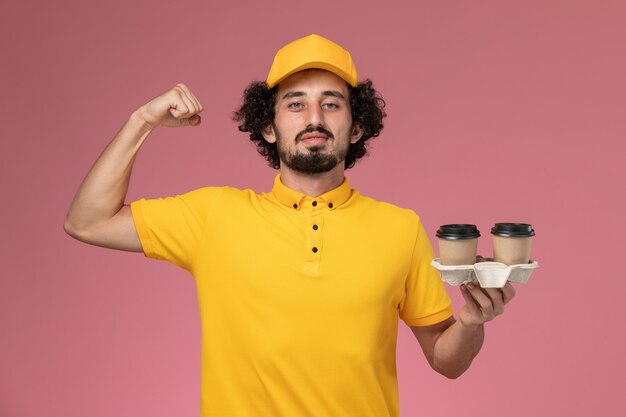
{"x":174,"y":108}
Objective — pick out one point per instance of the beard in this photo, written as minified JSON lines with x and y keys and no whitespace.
{"x":313,"y":161}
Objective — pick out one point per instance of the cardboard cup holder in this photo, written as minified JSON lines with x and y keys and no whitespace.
{"x":488,"y":273}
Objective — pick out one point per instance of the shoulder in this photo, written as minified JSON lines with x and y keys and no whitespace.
{"x":198,"y":200}
{"x":389,"y":210}
{"x":217,"y":192}
{"x":223,"y":199}
{"x":390,"y":217}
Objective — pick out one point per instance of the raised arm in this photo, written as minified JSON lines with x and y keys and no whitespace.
{"x":98,"y":215}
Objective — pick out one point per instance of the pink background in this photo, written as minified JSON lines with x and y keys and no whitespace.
{"x":498,"y":111}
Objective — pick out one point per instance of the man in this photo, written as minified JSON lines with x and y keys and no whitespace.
{"x":300,"y":289}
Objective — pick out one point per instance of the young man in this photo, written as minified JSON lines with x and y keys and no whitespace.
{"x":300,"y":289}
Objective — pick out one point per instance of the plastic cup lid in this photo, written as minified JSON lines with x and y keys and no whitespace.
{"x":512,"y":230}
{"x":458,"y":231}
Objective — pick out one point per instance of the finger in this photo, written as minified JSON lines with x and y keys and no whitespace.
{"x":182,"y":111}
{"x":189,"y":104}
{"x":195,"y":100}
{"x":508,"y":292}
{"x":180,"y":105}
{"x":470,"y":302}
{"x":191,"y":97}
{"x":497,"y":299}
{"x":483,"y":300}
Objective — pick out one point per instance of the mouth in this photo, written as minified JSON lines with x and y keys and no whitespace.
{"x":314,"y":138}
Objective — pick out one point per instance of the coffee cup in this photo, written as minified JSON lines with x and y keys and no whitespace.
{"x":511,"y":242}
{"x":458,"y":244}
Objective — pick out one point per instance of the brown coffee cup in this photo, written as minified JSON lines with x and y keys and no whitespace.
{"x":511,"y":242}
{"x":458,"y":244}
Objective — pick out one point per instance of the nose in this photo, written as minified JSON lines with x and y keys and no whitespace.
{"x":315,"y":116}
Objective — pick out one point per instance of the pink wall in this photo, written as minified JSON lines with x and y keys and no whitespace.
{"x":526,"y":98}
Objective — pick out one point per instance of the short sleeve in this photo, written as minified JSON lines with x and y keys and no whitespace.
{"x":426,"y":301}
{"x":171,"y":228}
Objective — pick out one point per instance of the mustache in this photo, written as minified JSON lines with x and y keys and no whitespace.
{"x":311,"y":129}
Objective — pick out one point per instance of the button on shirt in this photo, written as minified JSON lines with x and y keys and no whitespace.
{"x":299,"y":296}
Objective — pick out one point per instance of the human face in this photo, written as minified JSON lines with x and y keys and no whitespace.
{"x":313,"y":126}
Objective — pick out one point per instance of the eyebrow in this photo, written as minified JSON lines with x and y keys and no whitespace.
{"x":333,"y":94}
{"x":328,"y":93}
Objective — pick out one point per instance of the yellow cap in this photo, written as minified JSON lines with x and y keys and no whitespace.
{"x":312,"y":51}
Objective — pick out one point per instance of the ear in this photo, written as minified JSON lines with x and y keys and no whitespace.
{"x":357,"y":132}
{"x":268,"y":134}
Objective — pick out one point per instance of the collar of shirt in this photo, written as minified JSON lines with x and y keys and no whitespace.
{"x":294,"y":199}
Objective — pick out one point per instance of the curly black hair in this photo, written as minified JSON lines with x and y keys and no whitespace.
{"x":257,"y":112}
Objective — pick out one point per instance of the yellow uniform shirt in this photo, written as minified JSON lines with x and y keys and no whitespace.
{"x":299,"y":297}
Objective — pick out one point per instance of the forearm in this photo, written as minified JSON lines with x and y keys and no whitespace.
{"x":102,"y":192}
{"x":455,"y":349}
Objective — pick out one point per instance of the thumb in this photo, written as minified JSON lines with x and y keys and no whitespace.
{"x":189,"y":121}
{"x":195,"y":120}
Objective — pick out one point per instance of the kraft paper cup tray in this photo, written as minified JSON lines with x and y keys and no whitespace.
{"x":488,"y":273}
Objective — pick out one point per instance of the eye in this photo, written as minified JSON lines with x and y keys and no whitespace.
{"x":295,"y":105}
{"x":330,"y":105}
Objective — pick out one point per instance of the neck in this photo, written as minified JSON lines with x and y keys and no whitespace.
{"x":312,"y":185}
